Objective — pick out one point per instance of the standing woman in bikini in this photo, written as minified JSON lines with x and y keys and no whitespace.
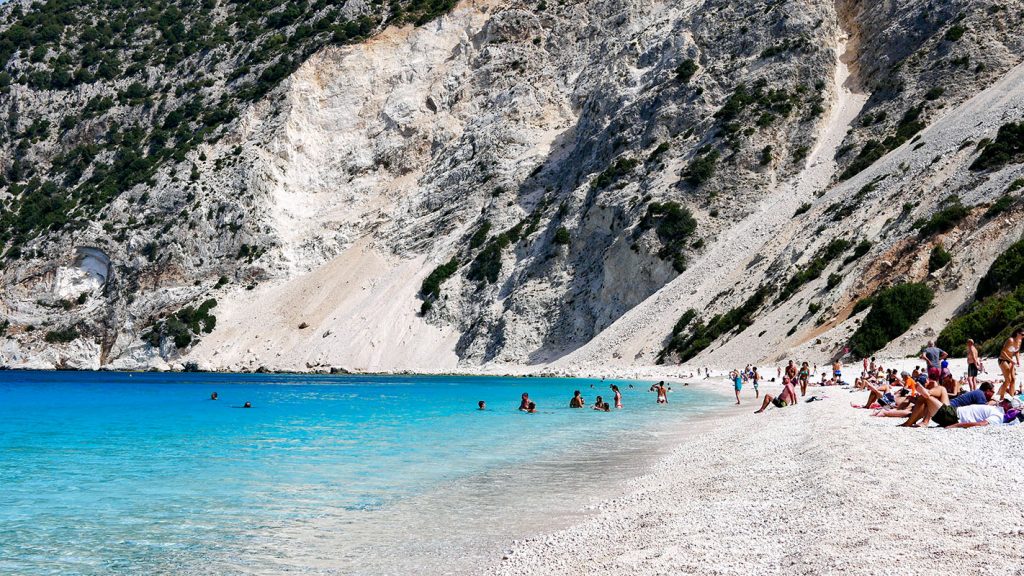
{"x":1009,"y":359}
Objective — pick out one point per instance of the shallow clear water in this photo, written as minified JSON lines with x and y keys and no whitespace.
{"x":107,"y":473}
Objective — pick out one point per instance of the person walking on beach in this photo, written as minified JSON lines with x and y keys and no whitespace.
{"x":973,"y":364}
{"x":754,"y":378}
{"x":805,"y":378}
{"x":737,"y":382}
{"x":577,"y":400}
{"x":1009,"y":359}
{"x":618,"y":396}
{"x":524,"y":403}
{"x":791,"y":371}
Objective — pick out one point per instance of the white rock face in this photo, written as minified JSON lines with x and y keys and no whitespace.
{"x":528,"y":147}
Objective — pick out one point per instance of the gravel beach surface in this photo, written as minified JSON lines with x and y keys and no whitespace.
{"x":817,"y":488}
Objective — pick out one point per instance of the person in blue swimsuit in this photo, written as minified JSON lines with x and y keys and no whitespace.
{"x":737,"y":381}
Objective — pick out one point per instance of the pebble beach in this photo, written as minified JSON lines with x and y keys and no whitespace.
{"x":817,"y":488}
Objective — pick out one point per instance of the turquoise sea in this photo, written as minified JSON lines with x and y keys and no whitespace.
{"x":116,"y":473}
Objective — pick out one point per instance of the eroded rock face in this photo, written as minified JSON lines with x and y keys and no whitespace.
{"x":562,"y":133}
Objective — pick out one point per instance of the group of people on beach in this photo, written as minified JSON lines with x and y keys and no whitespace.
{"x":934,"y":394}
{"x":578,"y":401}
{"x":792,"y":377}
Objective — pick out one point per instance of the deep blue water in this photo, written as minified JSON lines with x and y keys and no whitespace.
{"x":111,"y":473}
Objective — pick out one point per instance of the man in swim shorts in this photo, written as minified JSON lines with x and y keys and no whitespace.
{"x":786,"y":398}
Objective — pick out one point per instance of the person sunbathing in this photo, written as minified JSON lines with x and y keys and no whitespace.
{"x":986,"y":415}
{"x":935,"y":404}
{"x":786,"y":398}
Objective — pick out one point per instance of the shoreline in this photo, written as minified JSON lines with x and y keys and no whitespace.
{"x":762,"y":494}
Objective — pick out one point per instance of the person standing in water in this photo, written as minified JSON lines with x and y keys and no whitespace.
{"x":662,"y":393}
{"x":1009,"y":359}
{"x":524,"y":403}
{"x":577,"y":400}
{"x":618,"y":396}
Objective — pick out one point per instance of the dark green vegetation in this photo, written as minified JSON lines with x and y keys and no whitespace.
{"x":938,"y":258}
{"x":702,"y":168}
{"x":908,"y":125}
{"x":182,"y":326}
{"x":893,"y":312}
{"x":686,"y":345}
{"x":945,"y":219}
{"x":430,"y":290}
{"x":561,"y":236}
{"x":62,"y":336}
{"x":686,"y":70}
{"x":814,"y":268}
{"x":142,"y":83}
{"x":1006,"y":148}
{"x":614,"y":172}
{"x":674,"y":225}
{"x":997,"y":308}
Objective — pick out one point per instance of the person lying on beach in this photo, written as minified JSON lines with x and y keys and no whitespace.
{"x":577,"y":400}
{"x":786,"y":398}
{"x":524,"y":402}
{"x":934,"y":404}
{"x":987,"y":415}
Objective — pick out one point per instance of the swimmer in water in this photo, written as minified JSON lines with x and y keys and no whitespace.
{"x":247,"y":405}
{"x":524,"y":403}
{"x":577,"y":400}
{"x":481,"y":405}
{"x":213,"y":396}
{"x":531,"y":408}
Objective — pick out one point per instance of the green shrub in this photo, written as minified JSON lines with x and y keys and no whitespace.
{"x":833,"y":281}
{"x":894,"y":311}
{"x":674,"y":225}
{"x":700,"y":336}
{"x":62,"y":336}
{"x":480,"y":236}
{"x":999,"y":206}
{"x":814,"y":268}
{"x":431,"y":286}
{"x":561,"y":236}
{"x":934,"y":93}
{"x":702,"y":168}
{"x":1008,"y":147}
{"x":945,"y":219}
{"x":938,"y":258}
{"x":182,"y":326}
{"x":862,"y":248}
{"x":802,"y":209}
{"x":862,"y":305}
{"x":686,"y":70}
{"x":955,"y":33}
{"x":989,"y":322}
{"x":612,"y":173}
{"x":1005,"y":274}
{"x":766,"y":155}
